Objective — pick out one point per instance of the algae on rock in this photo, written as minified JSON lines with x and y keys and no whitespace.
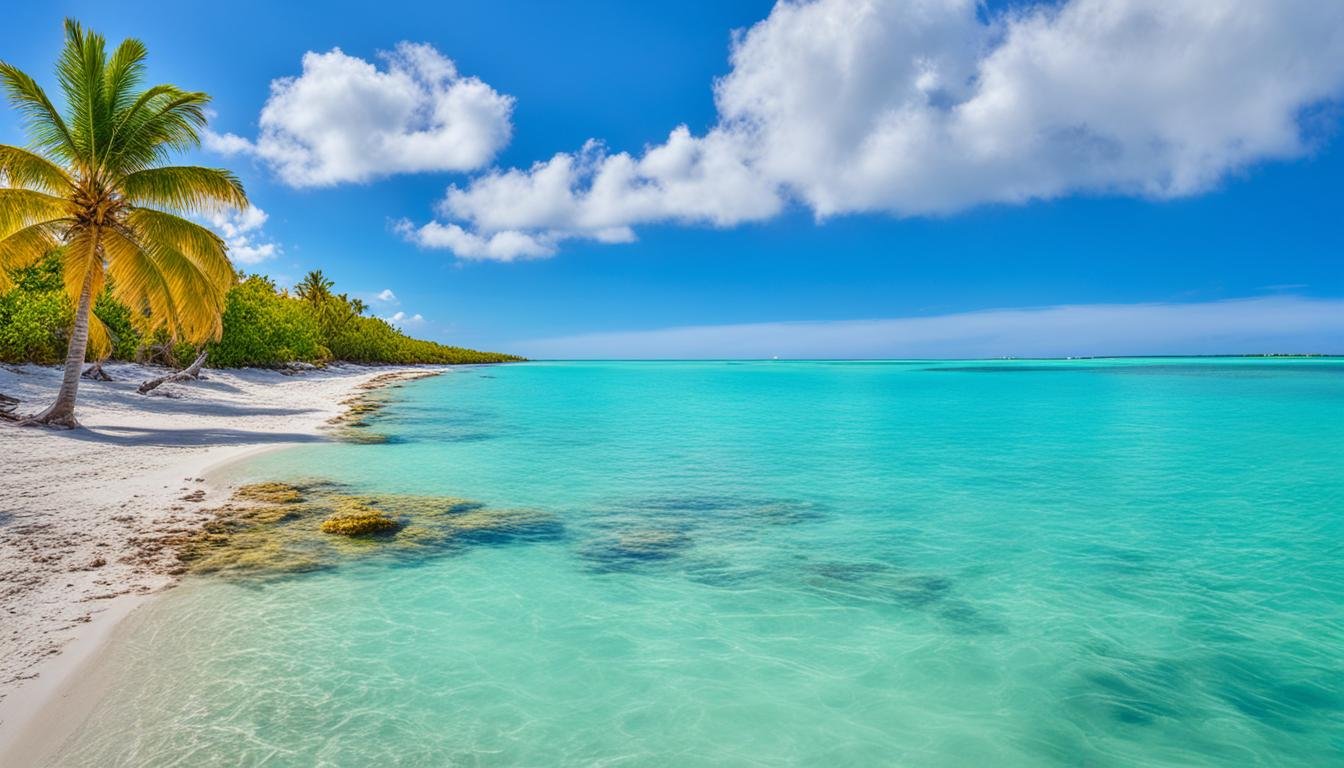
{"x":273,"y":529}
{"x":355,"y":518}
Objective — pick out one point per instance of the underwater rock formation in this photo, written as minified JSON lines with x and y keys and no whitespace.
{"x":273,"y":529}
{"x":269,"y":493}
{"x":358,"y":519}
{"x":626,"y":549}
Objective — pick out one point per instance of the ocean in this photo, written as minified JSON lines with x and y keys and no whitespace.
{"x":1132,"y":562}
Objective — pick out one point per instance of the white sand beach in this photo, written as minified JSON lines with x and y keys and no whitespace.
{"x":81,"y":511}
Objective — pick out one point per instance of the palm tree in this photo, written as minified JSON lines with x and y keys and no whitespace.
{"x":314,"y":288}
{"x":93,"y":183}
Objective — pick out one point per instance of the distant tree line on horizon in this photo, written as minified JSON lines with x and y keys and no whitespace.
{"x":263,"y":326}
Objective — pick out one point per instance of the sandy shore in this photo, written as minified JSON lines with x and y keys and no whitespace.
{"x":80,"y":510}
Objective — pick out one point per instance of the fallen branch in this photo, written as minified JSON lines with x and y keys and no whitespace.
{"x":96,"y":372}
{"x":7,"y":406}
{"x":192,"y":371}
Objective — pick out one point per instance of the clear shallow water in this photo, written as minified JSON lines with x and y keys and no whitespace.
{"x":1101,"y":563}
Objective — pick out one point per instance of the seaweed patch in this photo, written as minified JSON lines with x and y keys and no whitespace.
{"x":273,"y":529}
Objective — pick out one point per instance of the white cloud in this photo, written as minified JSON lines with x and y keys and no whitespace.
{"x":1277,"y":324}
{"x":225,"y":143}
{"x":345,"y":120}
{"x":920,"y":107}
{"x":497,"y":246}
{"x":386,"y":296}
{"x":242,"y":234}
{"x":403,"y":320}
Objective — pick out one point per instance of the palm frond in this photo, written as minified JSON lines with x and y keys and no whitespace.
{"x":201,"y":319}
{"x":25,"y":247}
{"x":125,"y":71}
{"x":185,"y":188}
{"x":41,"y":120}
{"x":22,"y":208}
{"x":156,"y":229}
{"x":137,"y":282}
{"x":79,"y":69}
{"x":154,"y":276}
{"x":169,"y":122}
{"x":21,"y":168}
{"x":100,"y":341}
{"x":145,"y":106}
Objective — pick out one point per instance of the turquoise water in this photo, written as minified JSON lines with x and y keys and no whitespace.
{"x":1100,"y":563}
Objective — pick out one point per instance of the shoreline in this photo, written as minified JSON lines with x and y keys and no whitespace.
{"x":77,"y":563}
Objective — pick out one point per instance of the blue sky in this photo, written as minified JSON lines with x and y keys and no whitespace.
{"x":1243,"y":208}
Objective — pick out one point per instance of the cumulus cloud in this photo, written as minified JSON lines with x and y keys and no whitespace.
{"x":242,"y":234}
{"x":346,"y":120}
{"x":1277,"y":324}
{"x":496,"y":246}
{"x":925,"y":107}
{"x":386,"y":296}
{"x":403,"y":320}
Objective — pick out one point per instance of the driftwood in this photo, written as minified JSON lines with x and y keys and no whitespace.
{"x":192,"y":371}
{"x":96,"y":372}
{"x":7,"y":406}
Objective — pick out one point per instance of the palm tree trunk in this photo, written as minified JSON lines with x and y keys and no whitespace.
{"x":62,"y":412}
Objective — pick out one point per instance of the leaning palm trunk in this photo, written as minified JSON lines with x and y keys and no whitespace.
{"x":93,"y":187}
{"x":62,"y":412}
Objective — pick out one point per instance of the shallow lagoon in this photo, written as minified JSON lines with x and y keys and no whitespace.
{"x":1098,"y":563}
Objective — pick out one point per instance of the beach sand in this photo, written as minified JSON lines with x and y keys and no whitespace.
{"x":82,"y":511}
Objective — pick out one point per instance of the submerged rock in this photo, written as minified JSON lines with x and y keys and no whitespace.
{"x":275,"y":529}
{"x":487,"y":523}
{"x":269,"y":493}
{"x":628,"y":549}
{"x":880,"y":583}
{"x":358,"y":519}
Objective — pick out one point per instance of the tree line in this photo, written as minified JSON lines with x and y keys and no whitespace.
{"x":263,"y":325}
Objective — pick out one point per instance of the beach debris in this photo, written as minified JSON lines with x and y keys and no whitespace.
{"x":191,"y":372}
{"x":7,"y":404}
{"x":95,"y":372}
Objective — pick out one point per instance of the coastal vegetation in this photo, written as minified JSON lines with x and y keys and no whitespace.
{"x":102,"y":255}
{"x":261,"y":325}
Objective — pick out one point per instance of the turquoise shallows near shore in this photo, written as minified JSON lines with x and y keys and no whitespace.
{"x":1097,"y":562}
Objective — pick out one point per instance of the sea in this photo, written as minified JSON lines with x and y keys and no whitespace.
{"x":1110,"y":562}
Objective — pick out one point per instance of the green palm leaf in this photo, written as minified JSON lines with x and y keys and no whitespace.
{"x":187,"y":189}
{"x":21,"y":168}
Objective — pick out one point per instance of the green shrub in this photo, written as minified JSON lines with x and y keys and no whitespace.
{"x":265,"y":328}
{"x":116,"y":317}
{"x":262,"y":327}
{"x":35,"y":315}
